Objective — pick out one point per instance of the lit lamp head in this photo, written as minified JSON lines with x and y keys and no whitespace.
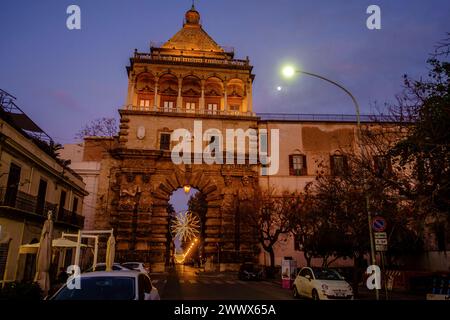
{"x":288,"y":71}
{"x":187,"y":188}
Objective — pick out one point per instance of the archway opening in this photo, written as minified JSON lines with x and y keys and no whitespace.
{"x":187,"y":209}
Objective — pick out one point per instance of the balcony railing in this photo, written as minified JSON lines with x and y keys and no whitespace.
{"x":190,"y":111}
{"x":70,"y":217}
{"x":156,"y":58}
{"x":26,"y":202}
{"x":323,"y":117}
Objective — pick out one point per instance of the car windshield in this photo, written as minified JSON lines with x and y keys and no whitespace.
{"x":100,"y":288}
{"x":326,"y":274}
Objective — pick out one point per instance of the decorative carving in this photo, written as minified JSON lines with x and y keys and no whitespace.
{"x":229,"y":197}
{"x":128,"y":193}
{"x":145,"y":199}
{"x":246,"y":195}
{"x":140,"y":133}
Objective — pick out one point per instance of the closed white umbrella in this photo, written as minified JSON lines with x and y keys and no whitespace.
{"x":44,"y":256}
{"x":110,"y":253}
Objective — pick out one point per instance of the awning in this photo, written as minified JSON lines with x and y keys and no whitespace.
{"x":56,"y":243}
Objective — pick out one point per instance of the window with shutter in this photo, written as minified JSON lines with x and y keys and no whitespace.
{"x":12,"y":186}
{"x":297,"y":165}
{"x":338,"y":165}
{"x":382,"y":164}
{"x":164,"y":141}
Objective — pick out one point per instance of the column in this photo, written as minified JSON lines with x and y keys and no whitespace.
{"x":155,"y":98}
{"x":180,"y":98}
{"x":250,"y":97}
{"x":202,"y":97}
{"x":225,"y":96}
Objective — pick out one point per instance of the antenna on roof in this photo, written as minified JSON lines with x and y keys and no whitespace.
{"x":193,"y":4}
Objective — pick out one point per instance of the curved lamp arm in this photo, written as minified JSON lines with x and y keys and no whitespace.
{"x":341,"y":87}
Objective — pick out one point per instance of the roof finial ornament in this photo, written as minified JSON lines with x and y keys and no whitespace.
{"x":192,"y":17}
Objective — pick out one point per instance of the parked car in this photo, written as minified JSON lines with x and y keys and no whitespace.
{"x":138,"y":266}
{"x":123,"y":285}
{"x":321,"y":284}
{"x":102,"y":267}
{"x":250,"y":271}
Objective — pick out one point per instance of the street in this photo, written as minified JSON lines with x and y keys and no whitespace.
{"x":187,"y":283}
{"x":183,"y":283}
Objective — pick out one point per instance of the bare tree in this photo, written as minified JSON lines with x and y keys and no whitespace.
{"x":102,"y":127}
{"x":272,"y":218}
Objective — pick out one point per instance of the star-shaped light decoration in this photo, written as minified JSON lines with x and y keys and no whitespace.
{"x":186,"y":226}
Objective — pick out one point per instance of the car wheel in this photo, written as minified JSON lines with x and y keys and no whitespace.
{"x":295,"y":292}
{"x":315,"y":295}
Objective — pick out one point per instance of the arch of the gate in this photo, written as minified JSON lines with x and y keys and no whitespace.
{"x":141,"y":193}
{"x":218,"y":184}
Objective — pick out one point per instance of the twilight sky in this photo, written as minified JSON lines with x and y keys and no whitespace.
{"x":63,"y":79}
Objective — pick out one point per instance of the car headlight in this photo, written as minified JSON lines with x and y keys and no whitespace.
{"x":324,"y":287}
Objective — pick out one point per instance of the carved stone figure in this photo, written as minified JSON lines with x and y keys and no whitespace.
{"x":229,"y":197}
{"x":246,"y":193}
{"x":128,"y":193}
{"x":145,"y":199}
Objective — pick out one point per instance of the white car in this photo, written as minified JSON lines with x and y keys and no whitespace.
{"x":138,"y":266}
{"x":321,"y":284}
{"x":102,"y":267}
{"x":122,"y":285}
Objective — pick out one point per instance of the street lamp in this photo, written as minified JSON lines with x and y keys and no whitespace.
{"x":289,"y":72}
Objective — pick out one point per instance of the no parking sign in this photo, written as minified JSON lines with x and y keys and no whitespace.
{"x":379,"y":224}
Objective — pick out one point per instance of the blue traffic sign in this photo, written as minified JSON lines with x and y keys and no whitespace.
{"x":379,"y":224}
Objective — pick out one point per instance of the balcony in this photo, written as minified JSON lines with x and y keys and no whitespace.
{"x":184,"y":111}
{"x":192,"y":61}
{"x":28,"y":205}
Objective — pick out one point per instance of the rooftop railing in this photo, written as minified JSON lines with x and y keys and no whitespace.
{"x":323,"y":117}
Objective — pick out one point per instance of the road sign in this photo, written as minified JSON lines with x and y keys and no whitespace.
{"x":380,"y":235}
{"x":378,"y":224}
{"x":381,"y":241}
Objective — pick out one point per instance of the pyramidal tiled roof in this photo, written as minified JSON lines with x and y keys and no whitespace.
{"x":192,"y":36}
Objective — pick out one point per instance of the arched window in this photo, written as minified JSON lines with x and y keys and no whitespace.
{"x":213,"y":94}
{"x":235,"y":95}
{"x":191,"y":92}
{"x":338,"y":164}
{"x":145,"y":88}
{"x":168,"y":91}
{"x":297,"y":165}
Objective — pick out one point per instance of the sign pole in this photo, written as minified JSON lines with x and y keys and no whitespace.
{"x":372,"y":247}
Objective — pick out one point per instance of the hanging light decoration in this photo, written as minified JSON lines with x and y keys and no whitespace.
{"x":187,"y":188}
{"x":186,"y":226}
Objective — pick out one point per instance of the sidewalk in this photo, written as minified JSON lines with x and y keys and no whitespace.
{"x":396,"y":294}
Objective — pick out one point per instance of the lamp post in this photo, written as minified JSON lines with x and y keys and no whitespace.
{"x":289,"y":72}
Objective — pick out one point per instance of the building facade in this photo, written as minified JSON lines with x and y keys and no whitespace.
{"x":33,"y":181}
{"x":192,"y":83}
